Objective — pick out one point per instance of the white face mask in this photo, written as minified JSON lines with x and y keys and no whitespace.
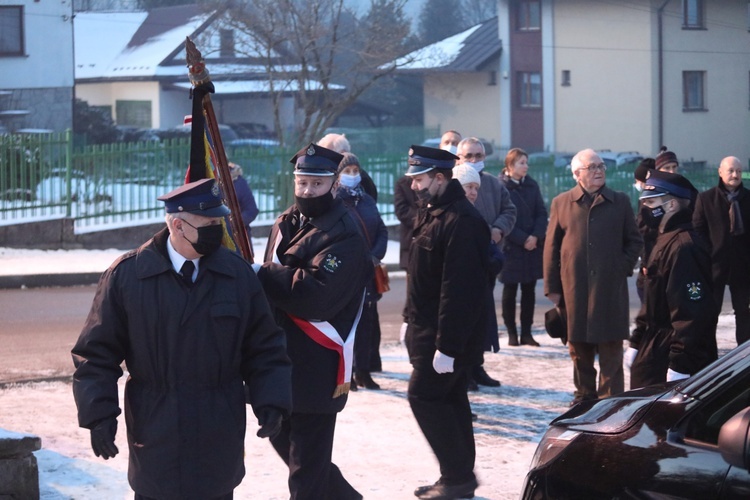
{"x":350,"y":181}
{"x":478,"y":166}
{"x":449,"y":147}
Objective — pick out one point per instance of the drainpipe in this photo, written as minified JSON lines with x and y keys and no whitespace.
{"x":660,"y":50}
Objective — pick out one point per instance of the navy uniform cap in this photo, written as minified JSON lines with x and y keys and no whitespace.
{"x":200,"y":198}
{"x":423,"y":159}
{"x":659,"y":183}
{"x":316,"y":160}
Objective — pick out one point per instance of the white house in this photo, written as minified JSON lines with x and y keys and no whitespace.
{"x":36,"y":65}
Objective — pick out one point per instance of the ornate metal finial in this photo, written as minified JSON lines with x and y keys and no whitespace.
{"x":196,"y":65}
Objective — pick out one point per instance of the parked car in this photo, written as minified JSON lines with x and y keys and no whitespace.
{"x":687,"y":439}
{"x":557,"y":159}
{"x":620,"y":159}
{"x":183,"y":131}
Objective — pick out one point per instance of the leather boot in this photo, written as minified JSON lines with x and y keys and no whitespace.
{"x":526,"y":338}
{"x":481,"y":377}
{"x":364,"y":379}
{"x":512,"y":336}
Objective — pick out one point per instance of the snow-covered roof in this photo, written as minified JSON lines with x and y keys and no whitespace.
{"x":465,"y":51}
{"x":132,"y":44}
{"x":261,"y":86}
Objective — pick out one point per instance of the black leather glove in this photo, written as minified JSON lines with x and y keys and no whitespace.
{"x":103,"y":438}
{"x":269,"y":419}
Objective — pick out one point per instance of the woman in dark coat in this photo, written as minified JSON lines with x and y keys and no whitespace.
{"x":523,"y":247}
{"x":365,"y":213}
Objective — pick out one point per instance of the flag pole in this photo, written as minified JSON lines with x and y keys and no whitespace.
{"x":200,"y":78}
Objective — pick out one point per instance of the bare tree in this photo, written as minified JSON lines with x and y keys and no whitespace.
{"x":478,"y":11}
{"x":319,"y":52}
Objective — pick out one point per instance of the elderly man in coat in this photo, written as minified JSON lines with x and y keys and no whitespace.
{"x":192,"y":323}
{"x":721,"y":216}
{"x":591,"y":248}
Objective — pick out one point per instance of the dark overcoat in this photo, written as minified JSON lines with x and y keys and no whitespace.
{"x":678,"y":318}
{"x":317,"y":273}
{"x":521,"y":265}
{"x":405,"y":207}
{"x":187,"y":352}
{"x":588,"y":254}
{"x":446,"y":287}
{"x":730,"y":255}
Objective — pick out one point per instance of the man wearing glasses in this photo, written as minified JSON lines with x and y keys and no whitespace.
{"x":499,"y":212}
{"x":591,"y":248}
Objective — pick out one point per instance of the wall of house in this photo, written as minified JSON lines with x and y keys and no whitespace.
{"x":41,"y":81}
{"x":721,"y":50}
{"x":106,"y":94}
{"x":445,"y":94}
{"x":607,"y":47}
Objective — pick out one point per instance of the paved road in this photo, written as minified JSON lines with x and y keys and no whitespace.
{"x":38,"y":326}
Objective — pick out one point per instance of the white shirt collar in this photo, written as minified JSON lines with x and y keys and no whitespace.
{"x":178,"y":260}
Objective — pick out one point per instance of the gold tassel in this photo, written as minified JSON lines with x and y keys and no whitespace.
{"x":341,"y":389}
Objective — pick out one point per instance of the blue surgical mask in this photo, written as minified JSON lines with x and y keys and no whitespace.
{"x":350,"y":181}
{"x":478,"y":166}
{"x":450,"y":148}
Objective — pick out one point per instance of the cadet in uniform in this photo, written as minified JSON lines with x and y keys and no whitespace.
{"x":316,"y":267}
{"x":676,"y":332}
{"x":192,"y":324}
{"x":445,"y":309}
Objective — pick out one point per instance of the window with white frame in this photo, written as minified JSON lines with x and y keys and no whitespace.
{"x":694,"y":90}
{"x":11,"y":30}
{"x":530,"y":89}
{"x":693,"y":14}
{"x":528,"y":15}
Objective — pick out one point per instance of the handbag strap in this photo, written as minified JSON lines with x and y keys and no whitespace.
{"x":362,"y":223}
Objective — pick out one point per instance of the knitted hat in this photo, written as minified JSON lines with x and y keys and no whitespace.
{"x":466,"y":174}
{"x":664,"y":158}
{"x":641,"y":171}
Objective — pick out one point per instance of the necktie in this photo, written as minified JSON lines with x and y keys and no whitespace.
{"x":187,"y":272}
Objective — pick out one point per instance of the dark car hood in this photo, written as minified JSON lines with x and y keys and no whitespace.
{"x":612,"y":415}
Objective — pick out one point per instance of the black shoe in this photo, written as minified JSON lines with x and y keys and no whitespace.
{"x":481,"y":377}
{"x":441,"y":491}
{"x":364,"y":379}
{"x":512,"y":339}
{"x":474,"y":417}
{"x":353,"y":385}
{"x":471,"y":385}
{"x":529,"y":340}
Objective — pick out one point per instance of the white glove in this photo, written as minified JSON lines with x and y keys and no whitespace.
{"x":402,"y":333}
{"x":256,"y":267}
{"x":629,"y":356}
{"x":442,"y":363}
{"x":673,"y":375}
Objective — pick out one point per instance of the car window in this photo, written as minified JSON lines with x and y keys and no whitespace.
{"x":704,"y":424}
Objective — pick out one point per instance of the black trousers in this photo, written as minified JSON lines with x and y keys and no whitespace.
{"x":305,"y":443}
{"x":441,"y":407}
{"x":363,"y":340}
{"x":528,"y":300}
{"x":740,"y":294}
{"x":228,"y":496}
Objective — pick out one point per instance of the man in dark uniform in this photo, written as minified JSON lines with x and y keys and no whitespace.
{"x":316,"y":267}
{"x":191,"y":321}
{"x":445,"y":307}
{"x":676,"y":332}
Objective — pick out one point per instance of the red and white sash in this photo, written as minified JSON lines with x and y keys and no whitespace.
{"x":325,"y":335}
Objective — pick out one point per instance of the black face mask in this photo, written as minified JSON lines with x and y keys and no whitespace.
{"x":652,"y":216}
{"x":314,"y":207}
{"x":424,"y":194}
{"x":209,"y":238}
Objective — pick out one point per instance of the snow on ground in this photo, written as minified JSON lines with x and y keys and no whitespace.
{"x":378,"y":446}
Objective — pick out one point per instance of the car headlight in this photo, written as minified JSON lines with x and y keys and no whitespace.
{"x":553,"y":443}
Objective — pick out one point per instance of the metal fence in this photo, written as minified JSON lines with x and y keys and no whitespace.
{"x":42,"y":176}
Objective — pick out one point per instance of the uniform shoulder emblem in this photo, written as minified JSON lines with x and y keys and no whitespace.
{"x":695,"y":290}
{"x":331,"y":263}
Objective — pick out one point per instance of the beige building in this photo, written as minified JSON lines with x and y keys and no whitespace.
{"x":627,"y":76}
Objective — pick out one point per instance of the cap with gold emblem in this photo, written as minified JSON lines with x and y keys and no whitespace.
{"x":316,"y":160}
{"x":200,"y":198}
